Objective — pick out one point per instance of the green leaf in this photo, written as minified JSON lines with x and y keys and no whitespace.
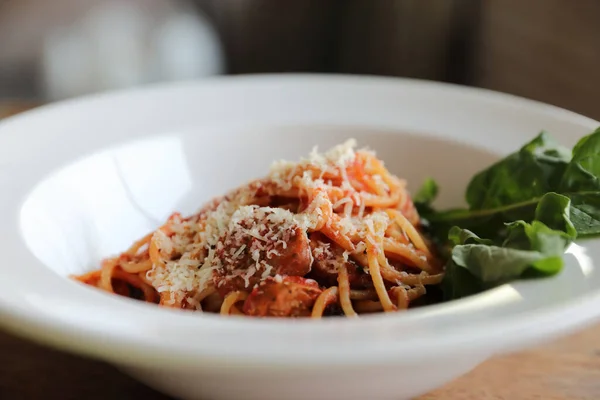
{"x":474,"y":268}
{"x":488,"y":223}
{"x":458,"y":282}
{"x":585,"y":213}
{"x":554,"y":210}
{"x":527,"y":174}
{"x":523,"y":212}
{"x":423,"y":199}
{"x":427,"y":193}
{"x":507,"y":191}
{"x":521,"y":250}
{"x":458,"y":236}
{"x":583,"y":172}
{"x":529,"y":250}
{"x":536,"y":236}
{"x":543,"y":169}
{"x":494,"y":265}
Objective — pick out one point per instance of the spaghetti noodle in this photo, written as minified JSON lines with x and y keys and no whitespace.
{"x":332,"y":234}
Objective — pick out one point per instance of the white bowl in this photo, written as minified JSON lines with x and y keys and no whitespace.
{"x":81,"y":180}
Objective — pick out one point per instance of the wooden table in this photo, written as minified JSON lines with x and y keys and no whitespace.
{"x":568,"y":369}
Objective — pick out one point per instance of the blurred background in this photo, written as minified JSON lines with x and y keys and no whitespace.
{"x":548,"y":50}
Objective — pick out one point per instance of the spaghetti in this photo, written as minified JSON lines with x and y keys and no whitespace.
{"x":332,"y":234}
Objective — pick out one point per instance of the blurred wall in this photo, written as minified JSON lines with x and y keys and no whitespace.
{"x":543,"y":49}
{"x":418,"y":38}
{"x":548,"y":50}
{"x":54,"y":49}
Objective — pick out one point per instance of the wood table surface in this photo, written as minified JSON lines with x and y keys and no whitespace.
{"x":567,"y":369}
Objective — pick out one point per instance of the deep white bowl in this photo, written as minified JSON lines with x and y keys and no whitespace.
{"x":80,"y":180}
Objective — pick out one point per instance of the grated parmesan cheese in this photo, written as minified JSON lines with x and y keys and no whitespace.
{"x":334,"y":161}
{"x":260,"y":232}
{"x":340,"y":155}
{"x":233,"y":236}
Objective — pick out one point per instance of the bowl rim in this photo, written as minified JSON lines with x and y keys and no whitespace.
{"x":131,"y":339}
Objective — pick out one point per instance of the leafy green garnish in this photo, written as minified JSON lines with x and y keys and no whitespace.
{"x":427,"y":193}
{"x":523,"y":212}
{"x":511,"y":189}
{"x":530,"y":173}
{"x":523,"y":250}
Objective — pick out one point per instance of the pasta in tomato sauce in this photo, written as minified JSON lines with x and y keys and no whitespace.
{"x":332,"y":234}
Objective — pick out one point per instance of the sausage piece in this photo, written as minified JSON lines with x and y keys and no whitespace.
{"x":288,"y":296}
{"x":262,"y":242}
{"x":327,"y":259}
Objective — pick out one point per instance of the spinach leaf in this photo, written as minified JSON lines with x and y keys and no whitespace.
{"x":508,"y":264}
{"x":585,"y":213}
{"x":512,"y":189}
{"x":554,"y":210}
{"x":527,"y":174}
{"x":523,"y":212}
{"x":460,"y":236}
{"x":427,"y":193}
{"x":581,"y":183}
{"x":458,"y":282}
{"x":488,"y":223}
{"x":530,"y":250}
{"x":423,"y":199}
{"x":521,"y":250}
{"x":583,"y":172}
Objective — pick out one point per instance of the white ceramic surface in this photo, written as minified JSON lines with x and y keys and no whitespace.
{"x":81,"y":180}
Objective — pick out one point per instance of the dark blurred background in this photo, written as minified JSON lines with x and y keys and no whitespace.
{"x":547,"y":50}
